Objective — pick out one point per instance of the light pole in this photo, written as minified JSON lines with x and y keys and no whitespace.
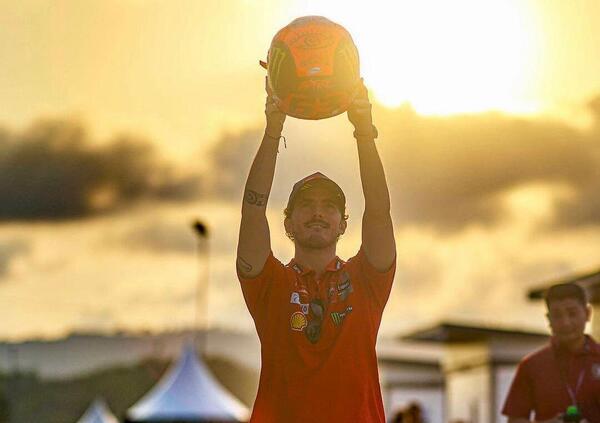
{"x":201,"y":307}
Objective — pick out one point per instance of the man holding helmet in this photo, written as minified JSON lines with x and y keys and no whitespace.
{"x":318,"y":316}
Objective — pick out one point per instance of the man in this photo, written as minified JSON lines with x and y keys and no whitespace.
{"x":564,"y":373}
{"x":317,"y":317}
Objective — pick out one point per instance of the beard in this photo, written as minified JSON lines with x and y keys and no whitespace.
{"x":306,"y":238}
{"x":315,"y":242}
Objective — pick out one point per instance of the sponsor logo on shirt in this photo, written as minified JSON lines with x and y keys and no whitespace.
{"x":338,"y":317}
{"x":344,"y":287}
{"x":298,"y":321}
{"x":331,"y":292}
{"x":295,"y":299}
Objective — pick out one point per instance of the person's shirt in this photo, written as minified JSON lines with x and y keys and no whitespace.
{"x":318,"y":340}
{"x":551,"y":379}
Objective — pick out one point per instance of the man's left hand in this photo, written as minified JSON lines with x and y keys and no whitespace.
{"x":359,"y":112}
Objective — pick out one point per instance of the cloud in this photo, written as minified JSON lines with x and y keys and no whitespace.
{"x":230,"y":159}
{"x":10,"y":250}
{"x":448,"y":173}
{"x":444,"y":173}
{"x":55,"y":171}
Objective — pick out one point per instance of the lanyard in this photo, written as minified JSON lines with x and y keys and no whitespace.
{"x":572,"y":393}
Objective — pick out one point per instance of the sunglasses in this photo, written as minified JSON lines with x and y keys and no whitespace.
{"x":313,"y":329}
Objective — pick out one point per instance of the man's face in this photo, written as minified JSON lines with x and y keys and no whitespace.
{"x":315,"y":222}
{"x":567,"y":318}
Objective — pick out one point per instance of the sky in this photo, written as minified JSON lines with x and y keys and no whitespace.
{"x":122,"y":122}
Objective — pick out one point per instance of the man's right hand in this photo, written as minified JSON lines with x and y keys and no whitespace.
{"x":275,"y":117}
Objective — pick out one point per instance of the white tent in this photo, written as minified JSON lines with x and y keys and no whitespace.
{"x":98,"y":412}
{"x":188,"y":393}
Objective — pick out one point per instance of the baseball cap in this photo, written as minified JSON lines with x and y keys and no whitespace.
{"x":311,"y":181}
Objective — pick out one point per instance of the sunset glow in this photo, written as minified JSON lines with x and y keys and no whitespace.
{"x":442,"y":57}
{"x":151,"y":124}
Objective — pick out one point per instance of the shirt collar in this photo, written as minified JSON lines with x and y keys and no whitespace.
{"x":333,"y":266}
{"x":589,"y":347}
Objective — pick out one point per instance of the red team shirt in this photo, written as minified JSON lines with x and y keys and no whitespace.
{"x":310,"y":375}
{"x":539,"y":388}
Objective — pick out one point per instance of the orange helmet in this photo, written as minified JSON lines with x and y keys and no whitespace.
{"x":313,"y":68}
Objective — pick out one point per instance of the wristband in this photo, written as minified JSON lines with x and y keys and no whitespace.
{"x":373,"y":134}
{"x":277,"y":138}
{"x":273,"y":137}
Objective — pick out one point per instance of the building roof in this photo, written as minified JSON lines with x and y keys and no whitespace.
{"x":449,"y":333}
{"x":589,"y":281}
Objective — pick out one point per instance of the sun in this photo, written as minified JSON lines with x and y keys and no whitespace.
{"x":441,"y":57}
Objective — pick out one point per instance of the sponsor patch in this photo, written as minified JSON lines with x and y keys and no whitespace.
{"x":295,"y":299}
{"x":330,"y":292}
{"x":304,"y":308}
{"x":298,"y":321}
{"x":344,"y":288}
{"x":338,"y":317}
{"x":343,"y":285}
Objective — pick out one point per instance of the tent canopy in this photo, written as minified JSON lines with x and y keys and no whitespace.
{"x":188,"y":393}
{"x":98,"y":412}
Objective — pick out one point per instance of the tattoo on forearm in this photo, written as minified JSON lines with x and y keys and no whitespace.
{"x":243,"y":265}
{"x":255,"y":198}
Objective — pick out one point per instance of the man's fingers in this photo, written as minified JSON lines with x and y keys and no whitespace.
{"x":271,"y":107}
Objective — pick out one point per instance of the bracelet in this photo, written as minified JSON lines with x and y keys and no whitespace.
{"x":272,"y":137}
{"x":277,"y":138}
{"x":374,"y":133}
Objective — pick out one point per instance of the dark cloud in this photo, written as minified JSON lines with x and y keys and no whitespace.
{"x":230,"y":160}
{"x":53,"y":171}
{"x":450,"y":172}
{"x":444,"y":173}
{"x":583,"y":208}
{"x":9,"y":250}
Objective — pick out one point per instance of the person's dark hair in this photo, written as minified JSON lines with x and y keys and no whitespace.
{"x":563,"y":291}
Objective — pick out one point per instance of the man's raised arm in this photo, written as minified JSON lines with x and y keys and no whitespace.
{"x":377,"y":228}
{"x":254,"y":244}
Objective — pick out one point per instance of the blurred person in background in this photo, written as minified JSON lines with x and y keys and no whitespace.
{"x":561,"y":381}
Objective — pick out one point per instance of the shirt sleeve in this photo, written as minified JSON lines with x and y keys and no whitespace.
{"x":519,"y":401}
{"x":257,"y":290}
{"x":377,"y":284}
